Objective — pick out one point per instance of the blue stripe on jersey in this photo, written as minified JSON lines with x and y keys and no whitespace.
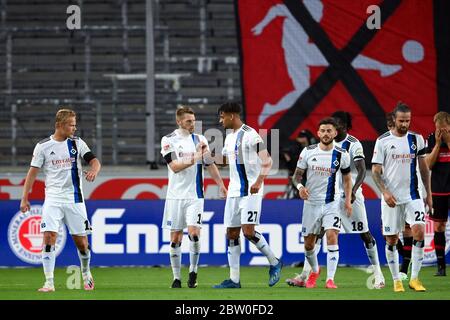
{"x":199,"y":176}
{"x":240,"y":164}
{"x":413,"y":184}
{"x":336,"y":156}
{"x":346,"y":145}
{"x":73,"y":153}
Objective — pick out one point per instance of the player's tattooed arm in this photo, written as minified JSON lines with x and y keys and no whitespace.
{"x":376,"y":175}
{"x":387,"y":195}
{"x":298,"y":176}
{"x":426,"y":179}
{"x":360,"y":166}
{"x":296,"y":180}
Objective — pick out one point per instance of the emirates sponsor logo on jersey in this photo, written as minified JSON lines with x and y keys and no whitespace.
{"x":323,"y":171}
{"x":403,"y":157}
{"x":63,"y":161}
{"x":185,"y":154}
{"x":25,"y":237}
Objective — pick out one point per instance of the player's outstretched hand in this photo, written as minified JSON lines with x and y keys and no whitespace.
{"x":255,"y":188}
{"x":389,"y":199}
{"x":304,"y":193}
{"x":223,"y":192}
{"x":90,"y":175}
{"x":24,"y":205}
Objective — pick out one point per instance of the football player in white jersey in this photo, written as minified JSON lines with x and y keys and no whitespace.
{"x":396,"y":155}
{"x":59,"y":156}
{"x":185,"y":154}
{"x":357,"y":223}
{"x":249,"y":163}
{"x":324,"y":164}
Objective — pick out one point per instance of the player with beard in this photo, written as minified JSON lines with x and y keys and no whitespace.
{"x":396,"y":155}
{"x":324,"y":164}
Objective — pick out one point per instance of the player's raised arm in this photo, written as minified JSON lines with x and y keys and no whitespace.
{"x":29,"y":181}
{"x":179,"y":165}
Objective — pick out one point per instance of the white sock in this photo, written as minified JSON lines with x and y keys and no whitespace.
{"x":234,"y":257}
{"x":416,"y":258}
{"x":48,"y":262}
{"x":392,"y":259}
{"x":85,"y":260}
{"x":332,"y":260}
{"x":194,"y":253}
{"x":175,"y":259}
{"x":312,"y":260}
{"x":372,"y":254}
{"x":306,"y":266}
{"x":260,"y":242}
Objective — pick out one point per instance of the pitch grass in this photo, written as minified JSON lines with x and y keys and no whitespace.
{"x":152,"y":283}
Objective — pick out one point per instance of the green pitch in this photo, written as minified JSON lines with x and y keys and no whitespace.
{"x":153,"y":283}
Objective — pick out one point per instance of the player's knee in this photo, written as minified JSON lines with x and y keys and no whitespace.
{"x":249,"y":234}
{"x":391,"y":241}
{"x":419,"y":235}
{"x":50,"y":237}
{"x":332,"y":237}
{"x":233,"y":234}
{"x":84,"y":249}
{"x":309,"y":246}
{"x":439,"y":226}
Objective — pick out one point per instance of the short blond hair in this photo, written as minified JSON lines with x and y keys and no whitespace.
{"x":442,"y":117}
{"x":182,"y":110}
{"x":63,"y":114}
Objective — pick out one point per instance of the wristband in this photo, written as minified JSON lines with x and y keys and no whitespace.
{"x":300,"y":186}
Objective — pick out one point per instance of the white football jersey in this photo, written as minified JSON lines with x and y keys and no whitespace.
{"x":187,"y":183}
{"x":323,"y":172}
{"x":356,"y":152}
{"x":241,"y":150}
{"x":398,"y":156}
{"x":61,"y":164}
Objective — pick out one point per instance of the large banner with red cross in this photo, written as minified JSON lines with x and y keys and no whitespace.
{"x":303,"y":60}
